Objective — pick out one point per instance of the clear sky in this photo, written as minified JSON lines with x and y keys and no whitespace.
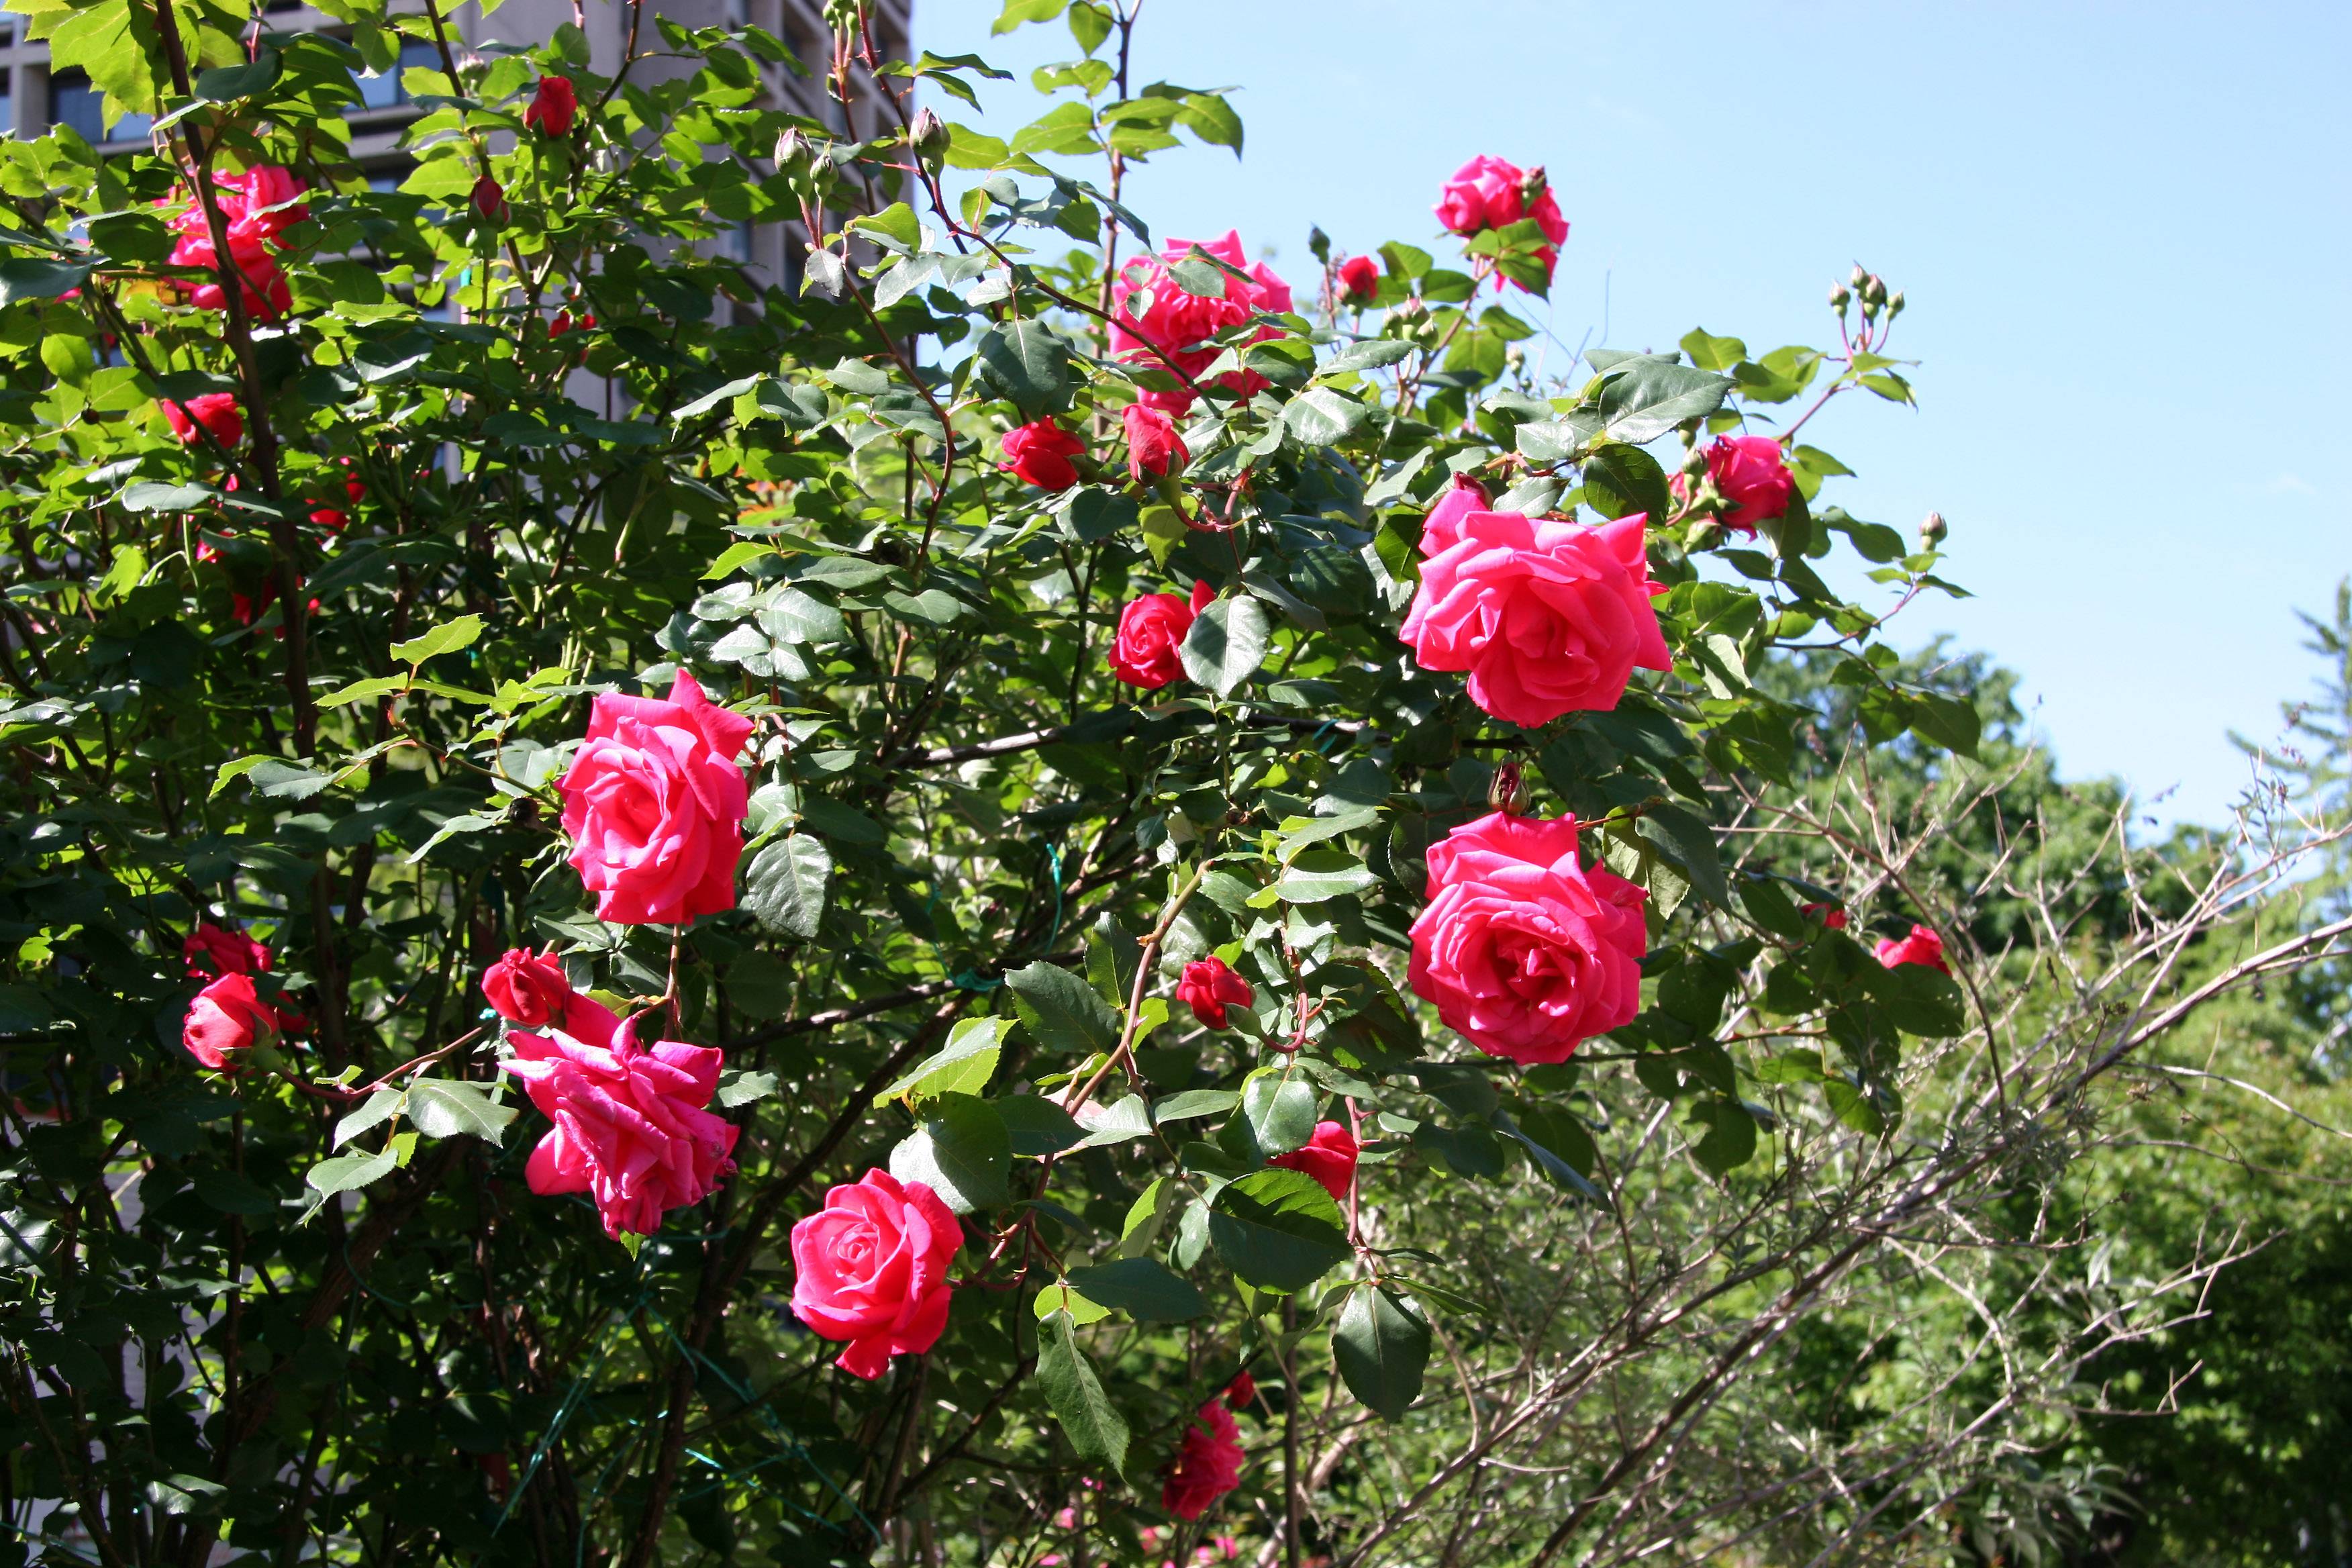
{"x":2122,"y":231}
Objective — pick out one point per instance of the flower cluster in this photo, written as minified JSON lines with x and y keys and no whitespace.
{"x":1155,"y":321}
{"x":256,"y":208}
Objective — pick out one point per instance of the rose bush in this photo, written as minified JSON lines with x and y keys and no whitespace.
{"x":918,"y":944}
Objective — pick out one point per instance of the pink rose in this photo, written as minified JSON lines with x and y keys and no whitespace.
{"x":1752,"y":476}
{"x":653,"y":803}
{"x":1525,"y":951}
{"x":257,"y":206}
{"x":1360,"y":279}
{"x":1153,"y":446}
{"x":1151,"y":631}
{"x":264,"y":197}
{"x":1922,"y":946}
{"x":1179,"y":324}
{"x":1442,"y":527}
{"x":210,"y":950}
{"x":214,"y":411}
{"x":1207,"y":1466}
{"x":1039,"y":453}
{"x":227,"y":1018}
{"x":532,"y":989}
{"x":1209,"y":987}
{"x":871,"y":1267}
{"x":1548,"y":618}
{"x":1491,"y":193}
{"x":1329,"y":1157}
{"x":631,"y":1127}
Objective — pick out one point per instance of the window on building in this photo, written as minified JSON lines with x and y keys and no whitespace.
{"x":7,"y":102}
{"x":384,"y":91}
{"x":74,"y":101}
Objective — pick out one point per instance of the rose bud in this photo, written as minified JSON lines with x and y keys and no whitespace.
{"x":1209,"y":987}
{"x":552,"y":107}
{"x":1360,"y":279}
{"x":489,"y":199}
{"x":1153,"y":446}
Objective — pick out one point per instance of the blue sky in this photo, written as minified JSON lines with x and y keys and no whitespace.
{"x":2123,"y":233}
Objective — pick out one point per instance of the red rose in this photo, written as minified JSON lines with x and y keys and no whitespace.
{"x":1039,"y":453}
{"x":1360,"y":279}
{"x":1830,"y":915}
{"x":1329,"y":1157}
{"x":1207,"y":1466}
{"x":354,"y":488}
{"x":227,"y":1018}
{"x":1150,"y":631}
{"x":1492,"y":193}
{"x":1525,"y":951}
{"x":214,"y":411}
{"x":1209,"y":987}
{"x":553,"y":107}
{"x":1922,"y":946}
{"x":1752,"y":476}
{"x":331,"y":518}
{"x":256,"y":207}
{"x":1153,"y":446}
{"x":1547,"y":617}
{"x":489,"y":199}
{"x":871,"y":1267}
{"x":210,"y":950}
{"x":532,"y":989}
{"x":653,"y":803}
{"x":1241,"y":1392}
{"x":632,"y":1126}
{"x":1178,"y":324}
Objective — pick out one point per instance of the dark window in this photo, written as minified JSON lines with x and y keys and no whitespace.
{"x":73,"y":101}
{"x":384,"y":91}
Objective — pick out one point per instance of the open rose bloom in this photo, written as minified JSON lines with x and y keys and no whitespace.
{"x":1148,"y":652}
{"x":1150,"y":310}
{"x":653,"y":803}
{"x":1492,"y":193}
{"x":256,"y":207}
{"x":631,"y":1125}
{"x":1207,"y":1466}
{"x":1526,"y":952}
{"x":871,"y":1267}
{"x":1547,"y":617}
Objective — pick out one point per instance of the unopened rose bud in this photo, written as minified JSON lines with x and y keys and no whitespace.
{"x":1695,"y":461}
{"x":1839,"y":298}
{"x":790,"y":148}
{"x":1515,"y":359}
{"x":1894,"y":304}
{"x":1532,"y":184}
{"x":1933,"y":530}
{"x":1859,"y":278}
{"x":1319,"y":244}
{"x":1508,"y":790}
{"x":489,"y":199}
{"x":1875,"y":291}
{"x":930,"y":136}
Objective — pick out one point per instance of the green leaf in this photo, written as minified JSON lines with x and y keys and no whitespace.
{"x":1038,"y":1127}
{"x":1125,"y":1119}
{"x":448,"y":637}
{"x":1060,"y":1295}
{"x":1729,"y":1139}
{"x":380,"y":1106}
{"x":1651,"y":398}
{"x":1279,"y":1230}
{"x":1317,"y":875}
{"x":1061,"y":1011}
{"x":1093,"y":1424}
{"x":365,"y":691}
{"x":1193,"y":1103}
{"x":1689,"y":843}
{"x":1226,"y":644}
{"x":963,"y":1066}
{"x":1951,"y":723}
{"x":233,"y":1193}
{"x":795,"y":615}
{"x":1710,"y":352}
{"x":1027,"y":364}
{"x":1382,"y":1347}
{"x":962,"y":1152}
{"x":896,"y":222}
{"x":785,"y":886}
{"x":25,"y":277}
{"x":1853,"y":1106}
{"x":737,"y":1086}
{"x":1619,"y":481}
{"x":446,"y":1107}
{"x":1143,"y":1288}
{"x":1323,"y":416}
{"x":1278,"y":1108}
